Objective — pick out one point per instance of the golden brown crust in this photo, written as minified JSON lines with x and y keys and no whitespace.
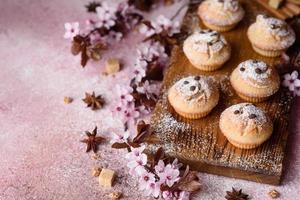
{"x":193,"y":98}
{"x":207,"y":50}
{"x":219,"y":14}
{"x":245,"y":125}
{"x":255,"y":86}
{"x":270,"y":35}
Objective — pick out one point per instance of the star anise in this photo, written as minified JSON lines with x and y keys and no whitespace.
{"x":236,"y":195}
{"x":93,"y":101}
{"x":91,"y":7}
{"x":92,"y":141}
{"x":144,"y":5}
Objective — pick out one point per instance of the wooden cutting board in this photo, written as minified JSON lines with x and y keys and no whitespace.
{"x":200,"y":143}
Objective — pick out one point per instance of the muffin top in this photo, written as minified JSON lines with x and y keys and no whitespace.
{"x":221,"y":12}
{"x":257,"y":75}
{"x":207,"y":41}
{"x":270,"y":33}
{"x":243,"y":122}
{"x":194,"y":93}
{"x":194,"y":89}
{"x":255,"y":72}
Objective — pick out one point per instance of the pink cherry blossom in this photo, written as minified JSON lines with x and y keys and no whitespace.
{"x":106,"y":15}
{"x":120,"y":137}
{"x":137,"y":160}
{"x":167,"y":195}
{"x":131,"y":114}
{"x":170,"y":175}
{"x":151,"y":90}
{"x":95,"y":38}
{"x":153,"y":189}
{"x":136,"y":167}
{"x":145,"y":179}
{"x":160,"y":167}
{"x":135,"y":152}
{"x":297,"y":87}
{"x":184,"y":195}
{"x":124,"y":8}
{"x":175,"y":164}
{"x":114,"y":36}
{"x":141,"y":63}
{"x":139,"y":73}
{"x":143,"y":110}
{"x":72,"y":29}
{"x":289,"y":80}
{"x":164,"y":24}
{"x":90,"y":24}
{"x":144,"y":52}
{"x":148,"y":51}
{"x":127,"y":112}
{"x":147,"y":31}
{"x":124,"y":93}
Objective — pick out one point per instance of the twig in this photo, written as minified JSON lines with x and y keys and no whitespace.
{"x":192,"y":2}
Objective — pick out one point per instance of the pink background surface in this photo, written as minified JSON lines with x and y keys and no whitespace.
{"x":40,"y":153}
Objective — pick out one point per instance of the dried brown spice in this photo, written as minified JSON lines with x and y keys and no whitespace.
{"x":93,"y":101}
{"x":91,"y":7}
{"x":115,"y":195}
{"x":144,"y":5}
{"x":92,"y":141}
{"x":236,"y":195}
{"x":96,"y":171}
{"x":68,"y":100}
{"x":274,"y":194}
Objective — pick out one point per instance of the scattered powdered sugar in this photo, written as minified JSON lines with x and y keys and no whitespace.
{"x":275,"y":26}
{"x":228,"y":5}
{"x":246,"y":111}
{"x":194,"y":88}
{"x":207,"y":40}
{"x":256,"y":71}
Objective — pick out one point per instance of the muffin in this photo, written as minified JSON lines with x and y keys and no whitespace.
{"x":221,"y":15}
{"x":255,"y":81}
{"x":207,"y":50}
{"x":245,"y":125}
{"x":193,"y":97}
{"x":270,"y":36}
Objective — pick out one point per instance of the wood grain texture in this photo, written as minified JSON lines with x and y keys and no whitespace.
{"x":200,"y":143}
{"x":285,"y":11}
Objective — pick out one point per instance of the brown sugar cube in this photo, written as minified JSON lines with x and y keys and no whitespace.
{"x":274,"y":194}
{"x":275,"y":3}
{"x":115,"y":195}
{"x":112,"y":66}
{"x":106,"y":178}
{"x":96,"y":171}
{"x":68,"y":100}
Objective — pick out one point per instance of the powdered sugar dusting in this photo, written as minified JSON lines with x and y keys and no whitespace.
{"x":221,"y":13}
{"x":245,"y":111}
{"x":194,"y":88}
{"x":228,"y":5}
{"x":255,"y":71}
{"x":275,"y":26}
{"x":207,"y":41}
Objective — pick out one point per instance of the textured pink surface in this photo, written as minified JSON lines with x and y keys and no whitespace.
{"x":41,"y":157}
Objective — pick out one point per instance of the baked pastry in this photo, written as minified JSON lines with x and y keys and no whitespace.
{"x":207,"y":50}
{"x":193,"y":97}
{"x":254,"y":80}
{"x":245,"y":125}
{"x":221,"y":15}
{"x":270,"y":36}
